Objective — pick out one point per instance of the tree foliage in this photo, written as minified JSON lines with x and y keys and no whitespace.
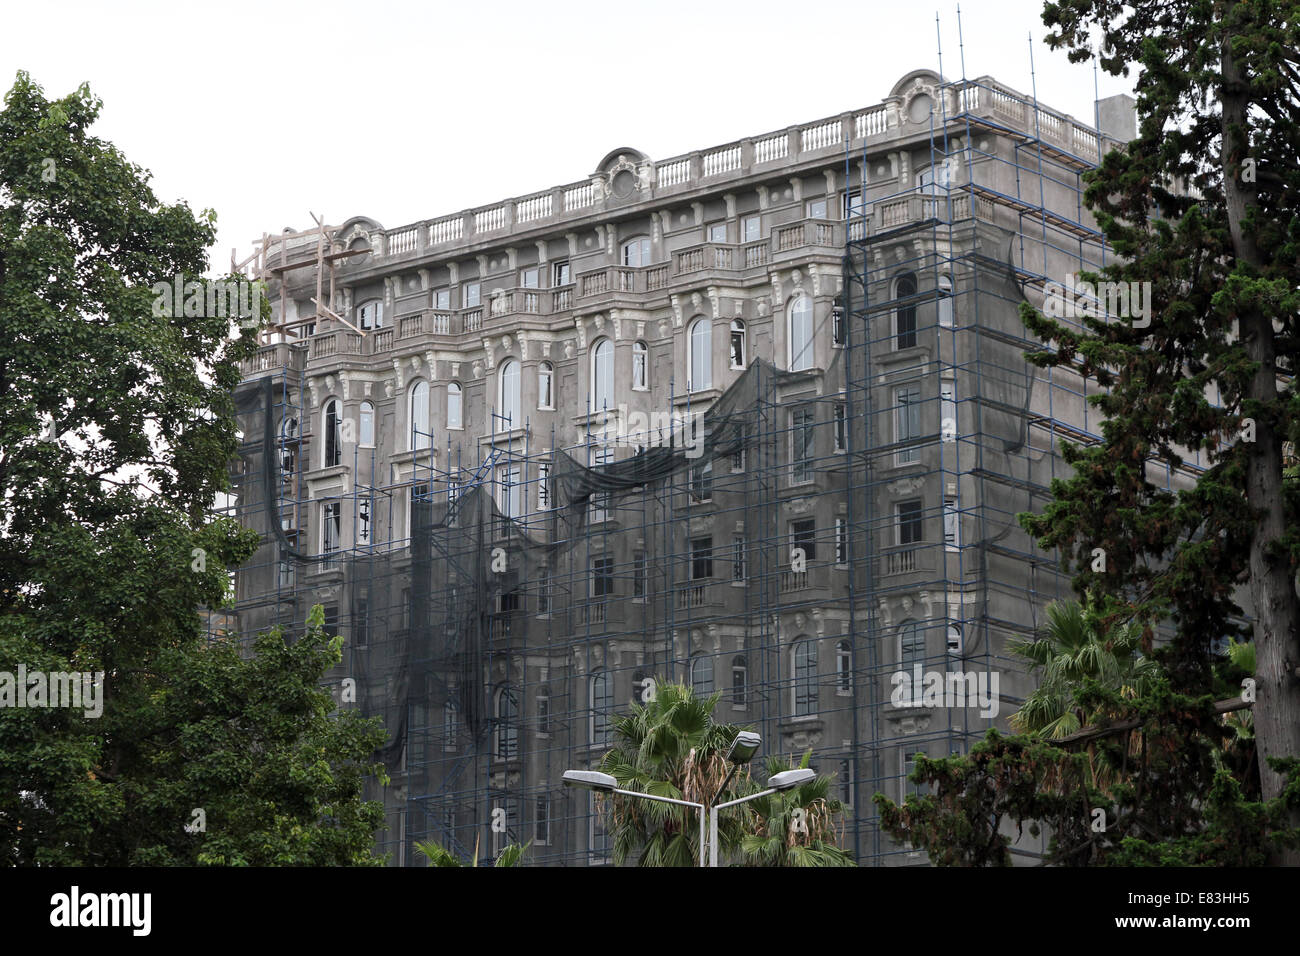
{"x":671,"y":747}
{"x":117,"y":431}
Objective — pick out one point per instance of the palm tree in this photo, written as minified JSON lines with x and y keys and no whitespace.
{"x":796,"y":827}
{"x":1071,"y":650}
{"x":671,"y":747}
{"x":438,"y":855}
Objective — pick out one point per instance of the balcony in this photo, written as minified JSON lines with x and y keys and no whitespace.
{"x":905,"y":559}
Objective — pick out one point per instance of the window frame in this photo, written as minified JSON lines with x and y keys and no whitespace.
{"x":457,"y":391}
{"x":545,"y":386}
{"x":807,"y":352}
{"x":737,"y":333}
{"x":332,"y":430}
{"x":907,"y":423}
{"x":417,"y":413}
{"x":803,"y":684}
{"x":601,"y":371}
{"x":509,"y":393}
{"x":699,"y":352}
{"x":642,"y":256}
{"x":640,"y":366}
{"x":909,"y":338}
{"x":366,"y":425}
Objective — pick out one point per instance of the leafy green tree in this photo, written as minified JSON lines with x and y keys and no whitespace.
{"x":1072,"y":649}
{"x":1218,"y":109}
{"x":117,"y":430}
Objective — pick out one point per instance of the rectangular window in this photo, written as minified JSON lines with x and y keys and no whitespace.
{"x":910,"y":523}
{"x":738,"y":462}
{"x":542,"y":821}
{"x":907,"y":423}
{"x":838,"y":336}
{"x":718,"y":232}
{"x":753,"y":226}
{"x":544,"y":592}
{"x":511,"y":490}
{"x":739,"y":683}
{"x":543,"y":713}
{"x":330,"y":528}
{"x":802,"y":424}
{"x":817,"y":209}
{"x":846,"y":782}
{"x":908,"y":762}
{"x":543,"y":486}
{"x":702,"y":482}
{"x":442,"y":300}
{"x":803,"y":534}
{"x":361,"y":621}
{"x":701,"y":558}
{"x":948,"y":410}
{"x":286,"y":575}
{"x":639,"y":569}
{"x":529,"y":278}
{"x":951,"y":524}
{"x":841,"y":541}
{"x":841,"y":426}
{"x":510,"y":601}
{"x":560,"y":273}
{"x":854,"y":214}
{"x":602,"y":577}
{"x":738,"y":557}
{"x":363,"y":521}
{"x":470,"y":295}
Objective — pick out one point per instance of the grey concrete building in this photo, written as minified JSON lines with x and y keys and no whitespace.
{"x":472,"y":439}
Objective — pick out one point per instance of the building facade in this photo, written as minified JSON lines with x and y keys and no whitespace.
{"x":481,"y":442}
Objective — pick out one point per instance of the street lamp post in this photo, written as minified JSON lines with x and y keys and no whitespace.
{"x":606,"y":783}
{"x":785,"y":780}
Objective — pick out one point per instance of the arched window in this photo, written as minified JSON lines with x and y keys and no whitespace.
{"x":420,"y":437}
{"x":700,"y":345}
{"x":905,"y":313}
{"x":702,"y":676}
{"x":636,"y":252}
{"x":546,"y":385}
{"x":367,"y":425}
{"x":911,"y":645}
{"x":602,"y":375}
{"x":507,"y":723}
{"x":333,"y":424}
{"x":805,"y":677}
{"x":737,"y":343}
{"x":945,"y":301}
{"x":801,"y":333}
{"x":508,"y":405}
{"x":370,"y":315}
{"x":602,"y":699}
{"x":640,"y":365}
{"x":454,"y":407}
{"x":844,"y":667}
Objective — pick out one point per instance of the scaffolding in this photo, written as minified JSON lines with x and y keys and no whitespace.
{"x":791,"y":543}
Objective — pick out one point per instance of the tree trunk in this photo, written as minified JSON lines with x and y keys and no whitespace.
{"x":1273,"y":596}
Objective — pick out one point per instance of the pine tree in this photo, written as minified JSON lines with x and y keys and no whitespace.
{"x":1202,"y":204}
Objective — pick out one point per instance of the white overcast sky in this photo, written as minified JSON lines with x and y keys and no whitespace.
{"x":406,"y":111}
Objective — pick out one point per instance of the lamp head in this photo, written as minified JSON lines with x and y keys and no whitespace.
{"x":589,"y":780}
{"x":744,"y":747}
{"x":789,"y":779}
